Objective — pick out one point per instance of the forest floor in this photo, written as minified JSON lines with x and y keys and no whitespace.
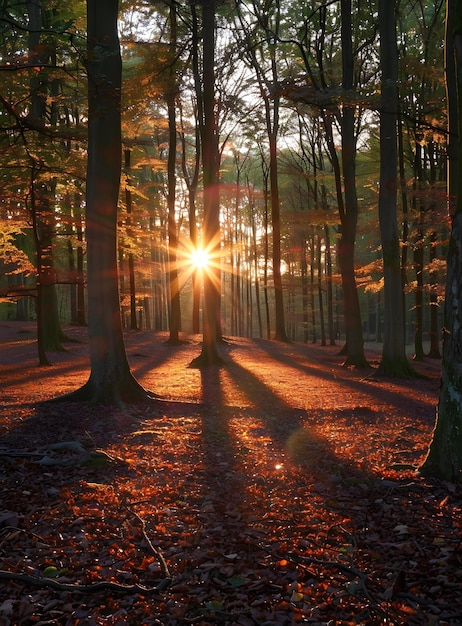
{"x":278,"y":489}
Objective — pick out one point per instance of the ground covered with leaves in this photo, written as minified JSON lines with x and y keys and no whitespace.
{"x":280,"y":488}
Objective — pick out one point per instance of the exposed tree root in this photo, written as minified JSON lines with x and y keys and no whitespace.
{"x":206,"y":360}
{"x":112,"y":393}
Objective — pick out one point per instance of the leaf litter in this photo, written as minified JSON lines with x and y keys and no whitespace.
{"x":279,"y":489}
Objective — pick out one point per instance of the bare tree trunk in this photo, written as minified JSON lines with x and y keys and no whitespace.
{"x":348,"y":209}
{"x":173,"y":282}
{"x":110,"y":381}
{"x":211,"y":228}
{"x":330,"y":298}
{"x":320,"y":298}
{"x":394,"y":361}
{"x":49,"y":331}
{"x":444,"y":458}
{"x":131,"y":262}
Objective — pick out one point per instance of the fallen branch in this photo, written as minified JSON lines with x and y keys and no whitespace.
{"x":92,"y":588}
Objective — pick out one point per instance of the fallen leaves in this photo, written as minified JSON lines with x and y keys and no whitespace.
{"x":275,"y":504}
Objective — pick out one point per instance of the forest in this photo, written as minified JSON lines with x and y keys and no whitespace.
{"x":230,"y":311}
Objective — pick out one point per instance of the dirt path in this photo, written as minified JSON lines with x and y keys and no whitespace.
{"x":278,"y":489}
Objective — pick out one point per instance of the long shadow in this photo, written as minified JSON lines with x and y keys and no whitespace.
{"x":288,"y":429}
{"x":370,"y":387}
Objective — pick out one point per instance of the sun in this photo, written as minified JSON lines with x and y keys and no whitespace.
{"x":200,"y":258}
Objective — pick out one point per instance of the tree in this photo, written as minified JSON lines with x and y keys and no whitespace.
{"x":444,"y":458}
{"x":349,"y":208}
{"x":394,"y":361}
{"x":170,"y":95}
{"x":211,"y":226}
{"x":110,"y":381}
{"x":261,"y":54}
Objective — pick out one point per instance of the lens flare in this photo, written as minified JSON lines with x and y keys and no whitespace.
{"x":200,"y":258}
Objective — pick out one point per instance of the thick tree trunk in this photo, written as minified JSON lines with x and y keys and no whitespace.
{"x":394,"y":361}
{"x":348,"y":210}
{"x":211,"y":229}
{"x":434,"y":352}
{"x":110,"y":381}
{"x":444,"y":458}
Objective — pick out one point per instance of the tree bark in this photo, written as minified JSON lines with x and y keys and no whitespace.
{"x":110,"y":381}
{"x":394,"y":361}
{"x":174,"y":285}
{"x":49,"y":331}
{"x":131,"y":260}
{"x":211,"y":228}
{"x":444,"y":458}
{"x":348,"y":209}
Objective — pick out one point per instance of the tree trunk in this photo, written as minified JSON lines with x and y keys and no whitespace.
{"x":330,"y":297}
{"x":320,"y":298}
{"x":444,"y":458}
{"x":110,"y":381}
{"x":174,"y":285}
{"x":211,"y":227}
{"x":434,"y":352}
{"x":348,"y":209}
{"x":49,"y":331}
{"x":131,"y":262}
{"x":394,"y":361}
{"x":266,"y":248}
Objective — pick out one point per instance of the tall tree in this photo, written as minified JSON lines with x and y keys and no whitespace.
{"x":317,"y":53}
{"x":211,"y":225}
{"x":349,"y":208}
{"x":444,"y":458}
{"x":394,"y":361}
{"x":261,"y":41}
{"x":110,"y":381}
{"x":171,"y":94}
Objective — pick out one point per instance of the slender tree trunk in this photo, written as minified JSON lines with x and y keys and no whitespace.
{"x":312,"y":299}
{"x":405,"y":210}
{"x":50,"y":334}
{"x":320,"y":298}
{"x":330,"y":297}
{"x":193,"y":181}
{"x":256,"y":270}
{"x":174,"y":285}
{"x":266,"y":250}
{"x":131,"y":262}
{"x":304,"y":279}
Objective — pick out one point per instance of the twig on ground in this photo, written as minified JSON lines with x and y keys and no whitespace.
{"x":77,"y":588}
{"x":154,"y":551}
